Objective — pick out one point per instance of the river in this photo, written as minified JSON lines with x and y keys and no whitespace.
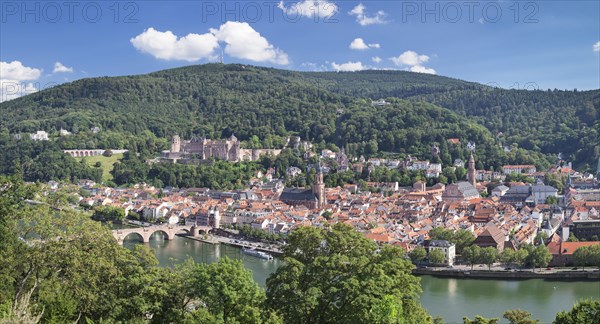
{"x":449,"y":298}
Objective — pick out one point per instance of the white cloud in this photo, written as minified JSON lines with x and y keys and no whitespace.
{"x":363,"y":19}
{"x":414,"y":61}
{"x":12,"y":80}
{"x":376,"y":59}
{"x":308,"y":8}
{"x":359,"y":44}
{"x":59,"y":67}
{"x":597,"y":47}
{"x":421,"y":69}
{"x":410,"y":58}
{"x":246,"y":43}
{"x":15,"y":70}
{"x":241,"y":41}
{"x":349,"y":66}
{"x":167,"y":46}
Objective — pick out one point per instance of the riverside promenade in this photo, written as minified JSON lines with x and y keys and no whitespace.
{"x":591,"y":274}
{"x":274,"y":249}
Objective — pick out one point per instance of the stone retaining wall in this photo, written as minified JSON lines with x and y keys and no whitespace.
{"x":482,"y":274}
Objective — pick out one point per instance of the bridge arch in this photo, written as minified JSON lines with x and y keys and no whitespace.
{"x":182,"y":231}
{"x":139,"y":235}
{"x":166,"y":234}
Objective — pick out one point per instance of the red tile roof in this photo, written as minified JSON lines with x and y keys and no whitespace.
{"x":570,"y":247}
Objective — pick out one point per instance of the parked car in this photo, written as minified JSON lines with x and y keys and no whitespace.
{"x":574,"y":268}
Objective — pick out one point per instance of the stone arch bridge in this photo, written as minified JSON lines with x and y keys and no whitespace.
{"x":169,"y":231}
{"x":84,"y":152}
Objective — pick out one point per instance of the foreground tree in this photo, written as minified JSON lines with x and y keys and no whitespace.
{"x":67,"y":267}
{"x":59,"y":266}
{"x":517,"y":316}
{"x":336,"y":276}
{"x":220,"y":292}
{"x":227,"y":290}
{"x":480,"y":320}
{"x":109,"y":213}
{"x":586,"y":311}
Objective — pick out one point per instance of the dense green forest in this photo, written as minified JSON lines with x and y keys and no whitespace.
{"x":264,"y":106}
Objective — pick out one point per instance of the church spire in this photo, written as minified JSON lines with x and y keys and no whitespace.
{"x":319,"y":186}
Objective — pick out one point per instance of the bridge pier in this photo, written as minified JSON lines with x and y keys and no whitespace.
{"x":195,"y":231}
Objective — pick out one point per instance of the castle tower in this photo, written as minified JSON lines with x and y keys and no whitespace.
{"x":175,"y":144}
{"x":234,"y":155}
{"x":214,"y":217}
{"x":319,"y":187}
{"x":203,"y":147}
{"x":471,"y":171}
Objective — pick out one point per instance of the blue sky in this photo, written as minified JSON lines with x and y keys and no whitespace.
{"x":526,"y":44}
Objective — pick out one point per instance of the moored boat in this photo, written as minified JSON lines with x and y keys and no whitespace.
{"x":256,"y":253}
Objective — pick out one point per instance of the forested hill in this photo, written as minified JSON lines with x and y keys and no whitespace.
{"x":216,"y":100}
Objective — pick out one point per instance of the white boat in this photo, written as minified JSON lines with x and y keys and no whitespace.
{"x":256,"y":253}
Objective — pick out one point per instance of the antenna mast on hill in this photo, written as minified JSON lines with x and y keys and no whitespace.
{"x":222,"y":57}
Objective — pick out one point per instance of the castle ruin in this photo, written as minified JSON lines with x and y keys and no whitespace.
{"x":204,"y":149}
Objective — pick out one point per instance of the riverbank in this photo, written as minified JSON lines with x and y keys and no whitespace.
{"x":209,"y":239}
{"x":567,"y":275}
{"x":215,"y":239}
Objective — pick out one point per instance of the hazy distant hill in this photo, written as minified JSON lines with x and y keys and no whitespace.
{"x":216,"y":100}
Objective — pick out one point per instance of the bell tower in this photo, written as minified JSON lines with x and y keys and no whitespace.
{"x":471,"y":171}
{"x":319,"y":187}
